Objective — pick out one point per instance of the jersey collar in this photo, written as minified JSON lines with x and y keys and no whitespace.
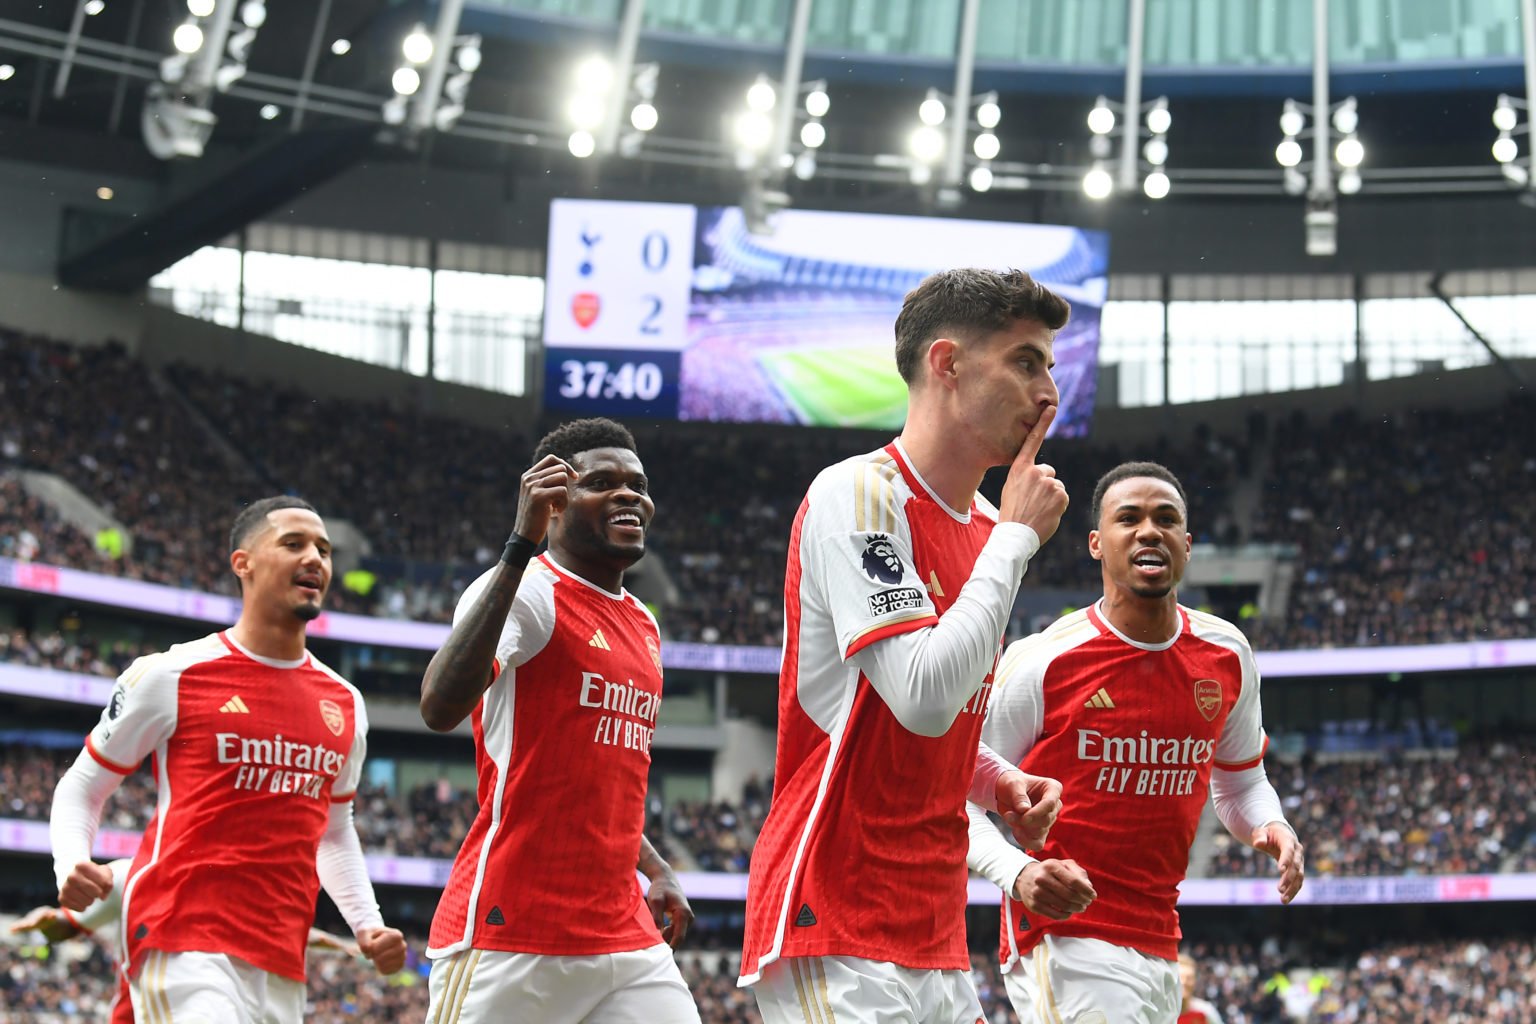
{"x":549,"y":560}
{"x":1096,"y":613}
{"x":914,"y":477}
{"x":233,"y":645}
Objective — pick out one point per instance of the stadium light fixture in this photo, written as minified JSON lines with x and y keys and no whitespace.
{"x":341,"y":47}
{"x":986,"y":146}
{"x":594,"y":74}
{"x":1101,"y":119}
{"x":105,"y":192}
{"x":1505,"y":117}
{"x":644,"y":117}
{"x":926,"y":144}
{"x":469,"y":57}
{"x":753,"y":131}
{"x":1505,"y":148}
{"x":932,"y":110}
{"x":417,"y":45}
{"x":406,"y":80}
{"x":1349,"y":152}
{"x":1156,"y":185}
{"x":94,"y":7}
{"x":813,"y":134}
{"x":1288,"y":153}
{"x":269,"y":112}
{"x":585,"y":111}
{"x":988,"y":113}
{"x":253,"y":13}
{"x":805,"y":166}
{"x":200,"y":8}
{"x":1346,"y":119}
{"x":761,"y":95}
{"x":981,"y":178}
{"x":1159,"y":120}
{"x":188,"y":37}
{"x":1156,"y":151}
{"x":1097,"y":183}
{"x":817,"y":103}
{"x":7,"y":72}
{"x":1291,"y":119}
{"x":1349,"y":182}
{"x":581,"y":144}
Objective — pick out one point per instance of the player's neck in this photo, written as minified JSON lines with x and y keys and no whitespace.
{"x":280,"y":641}
{"x":598,"y":573}
{"x":940,"y":461}
{"x":1146,"y":620}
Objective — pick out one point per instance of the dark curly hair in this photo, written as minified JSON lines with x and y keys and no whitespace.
{"x":970,"y":302}
{"x":570,"y":439}
{"x":1125,"y":471}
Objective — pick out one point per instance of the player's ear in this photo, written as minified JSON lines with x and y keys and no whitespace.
{"x":942,"y":355}
{"x":1093,"y":546}
{"x":240,"y":564}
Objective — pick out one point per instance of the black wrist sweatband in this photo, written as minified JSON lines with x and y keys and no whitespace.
{"x":519,"y":550}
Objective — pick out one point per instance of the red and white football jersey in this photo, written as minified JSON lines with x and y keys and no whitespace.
{"x":249,"y":754}
{"x":563,"y":751}
{"x":1132,"y":732}
{"x":863,"y":852}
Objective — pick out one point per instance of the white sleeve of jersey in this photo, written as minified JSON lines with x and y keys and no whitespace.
{"x":1244,"y":800}
{"x":140,"y":716}
{"x":529,"y":624}
{"x":1242,"y":743}
{"x":345,"y":786}
{"x":1015,"y":716}
{"x":856,"y":546}
{"x":343,"y":871}
{"x":78,"y":798}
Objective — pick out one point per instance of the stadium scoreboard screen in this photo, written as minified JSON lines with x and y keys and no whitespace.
{"x":679,"y":312}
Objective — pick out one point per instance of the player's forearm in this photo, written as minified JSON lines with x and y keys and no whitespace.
{"x":1244,"y":800}
{"x":929,"y":675}
{"x":651,"y":864}
{"x":990,"y":854}
{"x":78,"y":800}
{"x":343,"y":871}
{"x":461,"y":669}
{"x":990,"y":766}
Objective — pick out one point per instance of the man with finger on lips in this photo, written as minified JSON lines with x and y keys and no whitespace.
{"x":559,"y":669}
{"x":1140,"y":706}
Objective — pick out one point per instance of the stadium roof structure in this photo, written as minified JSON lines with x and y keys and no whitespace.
{"x":316,"y":92}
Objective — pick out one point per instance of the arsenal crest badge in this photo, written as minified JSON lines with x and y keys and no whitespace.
{"x":332,"y":716}
{"x":1208,"y":697}
{"x":650,"y":645}
{"x":584,"y":308}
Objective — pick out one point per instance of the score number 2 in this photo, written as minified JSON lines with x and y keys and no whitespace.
{"x":593,"y":379}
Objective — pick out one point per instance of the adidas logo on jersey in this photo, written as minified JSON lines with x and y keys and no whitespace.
{"x":1099,"y":700}
{"x":495,"y":917}
{"x":235,"y":706}
{"x":806,"y":917}
{"x":599,"y":641}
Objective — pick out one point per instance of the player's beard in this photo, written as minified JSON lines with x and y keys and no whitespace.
{"x":581,"y":535}
{"x":1152,"y":592}
{"x":307,"y":612}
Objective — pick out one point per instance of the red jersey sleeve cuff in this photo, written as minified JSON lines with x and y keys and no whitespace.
{"x":1242,"y":766}
{"x":896,"y":627}
{"x":106,"y":762}
{"x":341,"y":798}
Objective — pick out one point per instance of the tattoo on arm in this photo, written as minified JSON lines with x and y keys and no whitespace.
{"x":461,"y":669}
{"x":651,"y":864}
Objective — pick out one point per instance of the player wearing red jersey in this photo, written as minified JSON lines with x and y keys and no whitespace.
{"x":1193,"y":1009}
{"x":257,"y":750}
{"x":1132,"y":703}
{"x":543,"y":918}
{"x":899,"y":586}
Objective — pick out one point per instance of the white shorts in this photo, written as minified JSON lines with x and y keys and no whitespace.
{"x":211,"y":988}
{"x":829,"y":989}
{"x":487,"y":986}
{"x":1089,"y":981}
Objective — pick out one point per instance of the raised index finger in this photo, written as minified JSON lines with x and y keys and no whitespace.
{"x":1036,"y":436}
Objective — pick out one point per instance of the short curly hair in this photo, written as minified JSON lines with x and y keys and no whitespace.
{"x":970,"y":302}
{"x":571,"y":439}
{"x":1126,"y":470}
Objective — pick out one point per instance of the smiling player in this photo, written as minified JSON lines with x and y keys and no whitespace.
{"x":543,"y":918}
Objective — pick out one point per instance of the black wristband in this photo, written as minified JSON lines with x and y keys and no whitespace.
{"x":518,"y":551}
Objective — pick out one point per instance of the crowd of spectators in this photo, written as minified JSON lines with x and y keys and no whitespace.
{"x":1474,"y":812}
{"x":1410,"y":529}
{"x":71,"y":652}
{"x":1446,"y":981}
{"x":1413,"y":528}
